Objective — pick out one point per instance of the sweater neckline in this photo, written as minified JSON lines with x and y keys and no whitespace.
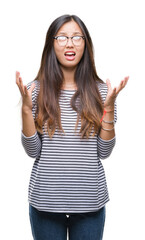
{"x":68,"y":90}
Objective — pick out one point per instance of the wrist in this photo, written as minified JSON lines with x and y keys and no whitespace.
{"x":109,"y":108}
{"x":26,"y":110}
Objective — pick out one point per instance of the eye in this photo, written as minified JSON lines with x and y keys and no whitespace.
{"x":76,"y":38}
{"x":61,"y":38}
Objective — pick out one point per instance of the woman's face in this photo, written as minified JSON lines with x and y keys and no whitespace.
{"x":70,"y":54}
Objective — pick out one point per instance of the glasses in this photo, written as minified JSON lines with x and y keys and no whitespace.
{"x":76,"y":40}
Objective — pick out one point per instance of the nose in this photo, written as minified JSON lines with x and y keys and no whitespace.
{"x":69,"y":42}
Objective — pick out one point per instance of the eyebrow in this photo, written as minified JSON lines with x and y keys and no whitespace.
{"x":74,"y":33}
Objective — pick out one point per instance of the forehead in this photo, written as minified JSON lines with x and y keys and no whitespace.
{"x":70,"y":28}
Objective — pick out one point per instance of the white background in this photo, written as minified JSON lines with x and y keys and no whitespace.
{"x":117,"y":30}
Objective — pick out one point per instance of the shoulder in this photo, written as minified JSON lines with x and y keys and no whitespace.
{"x":102,"y":86}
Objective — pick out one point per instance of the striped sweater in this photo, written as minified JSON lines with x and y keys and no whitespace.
{"x":67,"y":174}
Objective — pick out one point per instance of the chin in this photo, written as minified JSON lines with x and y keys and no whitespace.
{"x":69,"y":65}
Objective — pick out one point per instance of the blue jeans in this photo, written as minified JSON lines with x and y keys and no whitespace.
{"x":53,"y":226}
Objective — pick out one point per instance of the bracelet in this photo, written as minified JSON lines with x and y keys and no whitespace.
{"x":107,"y":129}
{"x":109,"y":111}
{"x":105,"y":113}
{"x":107,"y":121}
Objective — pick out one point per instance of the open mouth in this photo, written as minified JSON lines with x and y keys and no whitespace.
{"x":70,"y":55}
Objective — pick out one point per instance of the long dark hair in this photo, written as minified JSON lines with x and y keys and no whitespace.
{"x":51,"y":78}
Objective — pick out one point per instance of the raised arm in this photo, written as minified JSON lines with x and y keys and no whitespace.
{"x":30,"y":138}
{"x":107,"y":131}
{"x":28,"y":125}
{"x":106,"y":138}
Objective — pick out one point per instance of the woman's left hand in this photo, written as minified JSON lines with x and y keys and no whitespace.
{"x":112,"y":93}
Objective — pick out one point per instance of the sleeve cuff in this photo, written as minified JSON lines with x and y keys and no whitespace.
{"x":106,"y":141}
{"x":28,"y":137}
{"x":105,"y":147}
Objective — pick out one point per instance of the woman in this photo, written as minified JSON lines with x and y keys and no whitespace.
{"x":68,"y":117}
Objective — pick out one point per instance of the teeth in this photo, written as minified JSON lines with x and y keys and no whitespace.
{"x":70,"y":53}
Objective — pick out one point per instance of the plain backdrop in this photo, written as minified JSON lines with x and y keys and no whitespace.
{"x":117,"y":31}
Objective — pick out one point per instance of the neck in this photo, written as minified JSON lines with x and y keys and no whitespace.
{"x":69,"y":79}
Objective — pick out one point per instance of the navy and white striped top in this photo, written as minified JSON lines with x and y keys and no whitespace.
{"x":67,"y":175}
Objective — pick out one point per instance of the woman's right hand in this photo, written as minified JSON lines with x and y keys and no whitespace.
{"x":25,"y":93}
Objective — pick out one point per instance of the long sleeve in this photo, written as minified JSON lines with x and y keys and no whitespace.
{"x":105,"y":147}
{"x":32,"y":144}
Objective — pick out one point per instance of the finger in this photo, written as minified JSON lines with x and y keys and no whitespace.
{"x":122,"y":84}
{"x":21,"y":85}
{"x":19,"y":81}
{"x":30,"y":90}
{"x":126,"y":80}
{"x":25,"y":90}
{"x":108,"y":84}
{"x":114,"y":91}
{"x":118,"y":89}
{"x":17,"y":77}
{"x":32,"y":87}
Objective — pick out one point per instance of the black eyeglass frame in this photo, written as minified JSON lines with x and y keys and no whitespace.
{"x":83,"y":37}
{"x":69,"y":37}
